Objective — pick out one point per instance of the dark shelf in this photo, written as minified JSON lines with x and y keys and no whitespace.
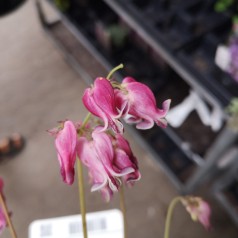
{"x":201,"y":13}
{"x":226,"y":191}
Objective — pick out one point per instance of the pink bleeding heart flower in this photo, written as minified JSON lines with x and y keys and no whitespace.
{"x":124,"y":158}
{"x":99,"y":176}
{"x":3,"y":220}
{"x":66,"y":143}
{"x":99,"y":156}
{"x":140,"y":104}
{"x":100,"y":101}
{"x":198,"y":209}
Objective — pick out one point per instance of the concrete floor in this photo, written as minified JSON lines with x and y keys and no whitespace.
{"x":38,"y":88}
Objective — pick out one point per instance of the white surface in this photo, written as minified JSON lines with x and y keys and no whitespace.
{"x":178,"y":114}
{"x":104,"y":224}
{"x":223,"y":57}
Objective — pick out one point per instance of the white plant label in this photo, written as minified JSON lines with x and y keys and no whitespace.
{"x":103,"y":224}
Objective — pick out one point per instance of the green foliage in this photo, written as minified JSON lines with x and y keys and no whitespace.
{"x":118,"y":34}
{"x":235,"y":19}
{"x":63,"y":5}
{"x":233,"y":107}
{"x":233,"y":110}
{"x":223,"y":5}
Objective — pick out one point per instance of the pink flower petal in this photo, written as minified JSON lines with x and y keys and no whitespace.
{"x":65,"y":142}
{"x":100,"y":101}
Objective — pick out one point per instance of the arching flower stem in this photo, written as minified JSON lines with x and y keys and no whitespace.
{"x":80,"y":174}
{"x":82,"y":197}
{"x":169,"y":215}
{"x":120,"y":66}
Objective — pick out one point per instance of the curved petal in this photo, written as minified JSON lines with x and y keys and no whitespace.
{"x":125,"y":160}
{"x":142,"y":105}
{"x":107,"y":193}
{"x":104,"y":96}
{"x":128,"y":80}
{"x":145,"y":124}
{"x":88,"y":155}
{"x":100,"y":101}
{"x":65,"y":143}
{"x":204,"y":214}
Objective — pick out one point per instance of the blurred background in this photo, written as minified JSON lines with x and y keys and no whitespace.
{"x":51,"y":50}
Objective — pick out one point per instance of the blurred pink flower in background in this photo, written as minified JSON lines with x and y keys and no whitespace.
{"x":233,"y":49}
{"x":198,"y":209}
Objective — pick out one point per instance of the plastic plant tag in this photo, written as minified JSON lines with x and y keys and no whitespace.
{"x":103,"y":224}
{"x":222,"y":58}
{"x":193,"y":101}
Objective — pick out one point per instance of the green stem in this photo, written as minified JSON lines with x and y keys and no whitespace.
{"x":169,"y":215}
{"x":85,"y":121}
{"x":81,"y":184}
{"x":120,"y":66}
{"x":81,"y":180}
{"x":9,"y":222}
{"x":123,"y":209}
{"x":82,"y":197}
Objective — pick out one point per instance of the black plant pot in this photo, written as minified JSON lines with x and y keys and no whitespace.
{"x":7,"y":6}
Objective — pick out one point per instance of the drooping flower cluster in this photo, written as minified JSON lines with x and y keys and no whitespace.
{"x":108,"y":159}
{"x":130,"y":100}
{"x":198,"y":209}
{"x":3,"y":220}
{"x":102,"y":147}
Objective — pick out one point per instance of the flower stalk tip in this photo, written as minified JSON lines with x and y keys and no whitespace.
{"x":120,"y":66}
{"x":198,"y":209}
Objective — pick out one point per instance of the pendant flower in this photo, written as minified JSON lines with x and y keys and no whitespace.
{"x":104,"y":164}
{"x":124,"y":158}
{"x":100,"y":101}
{"x":140,"y":104}
{"x":65,"y":143}
{"x":233,"y":67}
{"x":198,"y":209}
